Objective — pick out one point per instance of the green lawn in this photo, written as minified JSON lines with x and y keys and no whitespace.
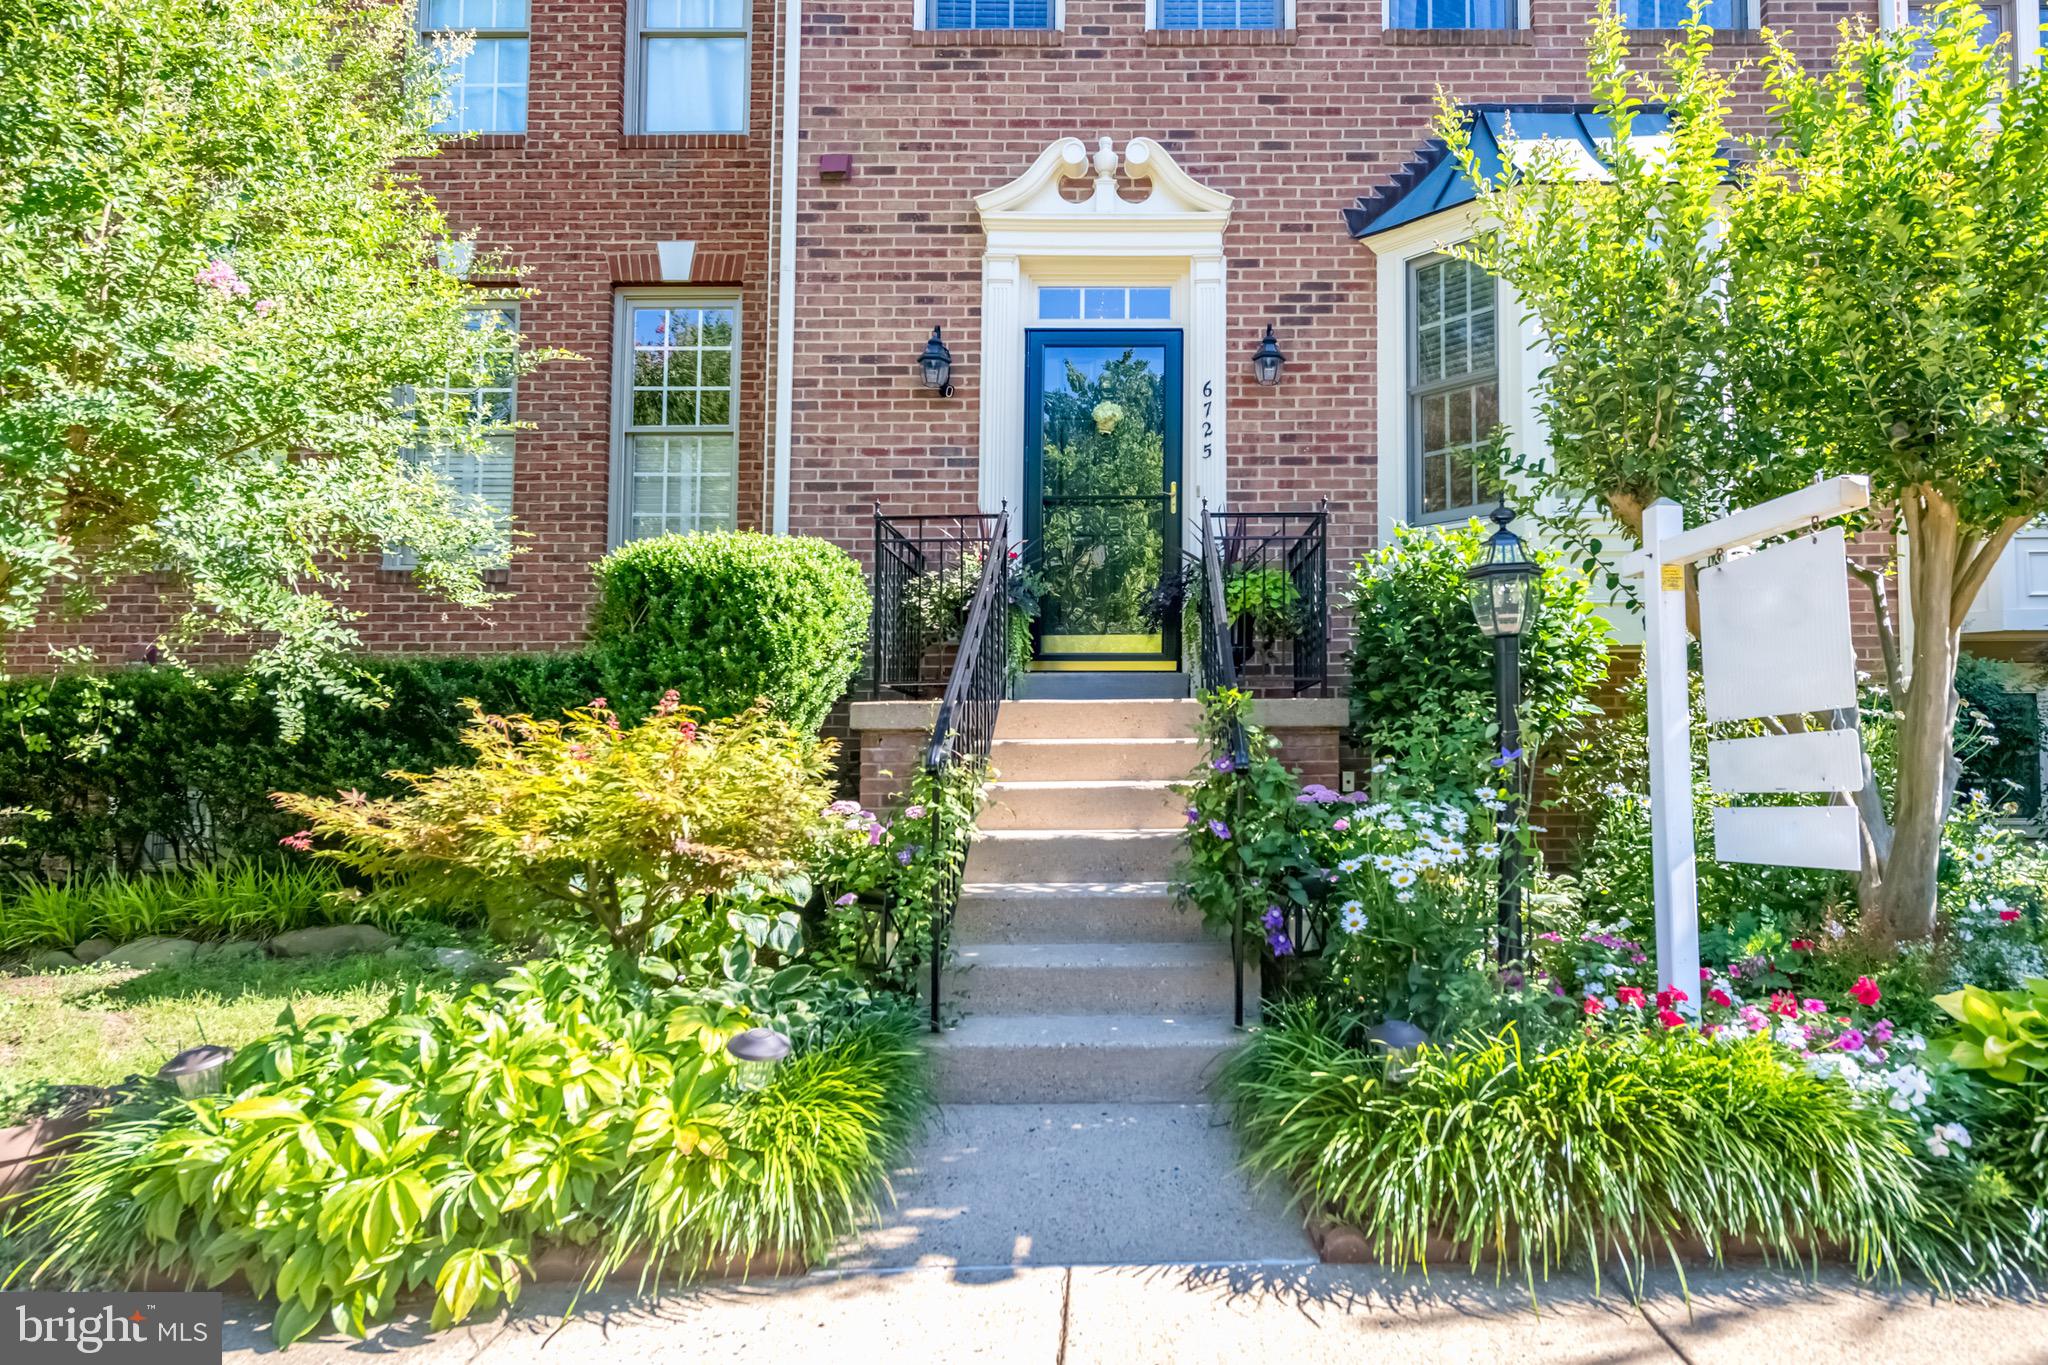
{"x":96,"y":1026}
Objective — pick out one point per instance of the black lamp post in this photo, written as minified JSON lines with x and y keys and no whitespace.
{"x":937,"y":364}
{"x":1267,"y":360}
{"x":1502,"y":587}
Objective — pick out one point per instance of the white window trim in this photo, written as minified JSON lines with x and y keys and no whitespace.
{"x":926,"y":15}
{"x":1286,"y":19}
{"x":1410,"y":347}
{"x":403,"y":560}
{"x":1387,"y":20}
{"x":523,"y":34}
{"x":619,"y":516}
{"x":636,"y":74}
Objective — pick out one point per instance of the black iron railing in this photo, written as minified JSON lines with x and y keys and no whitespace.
{"x":1219,"y":669}
{"x":966,"y":725}
{"x":1275,"y":572}
{"x":926,"y":571}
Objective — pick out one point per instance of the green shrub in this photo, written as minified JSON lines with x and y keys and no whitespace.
{"x":632,"y":831}
{"x":157,"y":762}
{"x":726,"y":617}
{"x":232,"y":900}
{"x":1602,"y":1148}
{"x":2000,"y":739}
{"x":443,"y":1145}
{"x":1422,"y":674}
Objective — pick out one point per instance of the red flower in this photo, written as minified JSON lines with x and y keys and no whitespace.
{"x":1706,"y":973}
{"x":1670,"y":1018}
{"x":1593,"y":1005}
{"x":2008,"y":915}
{"x":1670,"y":996}
{"x":1720,"y":997}
{"x":1866,"y":992}
{"x":1630,"y":995}
{"x":1801,"y":945}
{"x":1782,"y":1003}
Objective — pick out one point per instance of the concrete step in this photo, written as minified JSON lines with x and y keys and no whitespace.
{"x":1086,"y":978}
{"x":1074,"y":855}
{"x":1077,"y":1058}
{"x":1074,"y":912}
{"x":1107,"y":760}
{"x":1097,"y":719}
{"x":1084,"y":805}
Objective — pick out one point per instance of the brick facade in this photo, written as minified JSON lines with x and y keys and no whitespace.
{"x":1294,"y":125}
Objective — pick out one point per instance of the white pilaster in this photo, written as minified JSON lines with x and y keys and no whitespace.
{"x":1001,"y":384}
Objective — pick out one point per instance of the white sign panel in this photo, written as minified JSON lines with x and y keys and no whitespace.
{"x":1788,"y":836}
{"x":1774,"y":631}
{"x":1803,"y":761}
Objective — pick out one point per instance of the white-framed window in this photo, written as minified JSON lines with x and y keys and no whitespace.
{"x":1221,"y":14}
{"x":1998,"y":19}
{"x":1453,"y":385}
{"x":688,"y":66}
{"x":1105,"y":303}
{"x":488,"y":85}
{"x":976,"y":14}
{"x":1720,"y":14}
{"x":1454,"y":14}
{"x":675,"y":416}
{"x":490,"y":401}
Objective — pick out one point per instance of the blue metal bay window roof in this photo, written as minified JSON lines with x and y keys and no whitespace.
{"x":1433,"y":182}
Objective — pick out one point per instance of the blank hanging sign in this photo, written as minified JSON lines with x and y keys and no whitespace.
{"x":1788,"y":836}
{"x":1774,"y":631}
{"x":1803,"y":761}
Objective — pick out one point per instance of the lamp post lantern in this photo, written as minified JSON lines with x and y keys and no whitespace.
{"x":1503,"y":590}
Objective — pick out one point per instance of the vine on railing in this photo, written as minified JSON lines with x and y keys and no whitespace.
{"x":1273,"y":581}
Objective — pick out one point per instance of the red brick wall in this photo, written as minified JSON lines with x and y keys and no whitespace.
{"x":579,"y":206}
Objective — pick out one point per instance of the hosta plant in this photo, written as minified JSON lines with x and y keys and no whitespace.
{"x":2001,"y":1033}
{"x":633,"y":830}
{"x":439,"y":1148}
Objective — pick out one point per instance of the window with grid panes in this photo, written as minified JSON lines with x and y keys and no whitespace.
{"x":487,"y":88}
{"x":1721,"y":14}
{"x":1451,"y":14}
{"x":1220,"y":14}
{"x":679,"y":445}
{"x":968,"y":14}
{"x":490,"y":401}
{"x":1453,"y":386}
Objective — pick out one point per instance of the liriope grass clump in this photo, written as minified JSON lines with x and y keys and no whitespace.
{"x":1602,"y":1150}
{"x":244,"y":899}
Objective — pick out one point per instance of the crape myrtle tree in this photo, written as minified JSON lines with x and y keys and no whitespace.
{"x":225,"y":316}
{"x":1866,"y":292}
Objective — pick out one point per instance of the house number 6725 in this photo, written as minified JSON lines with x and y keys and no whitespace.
{"x":1208,"y":427}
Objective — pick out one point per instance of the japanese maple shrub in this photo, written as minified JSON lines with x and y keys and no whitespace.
{"x":633,"y":830}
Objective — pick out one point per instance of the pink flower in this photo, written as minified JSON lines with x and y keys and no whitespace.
{"x":1865,"y":992}
{"x":1340,"y":824}
{"x":1593,"y":1005}
{"x":1670,"y":996}
{"x":1850,"y":1041}
{"x":302,"y":842}
{"x":1812,"y":1006}
{"x":1706,"y":973}
{"x":1783,"y":1004}
{"x":219,"y":275}
{"x":2008,"y":915}
{"x":1670,"y":1018}
{"x":265,"y":307}
{"x":1631,"y":996}
{"x":1720,"y":997}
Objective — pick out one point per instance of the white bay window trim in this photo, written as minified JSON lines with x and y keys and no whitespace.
{"x":677,"y":471}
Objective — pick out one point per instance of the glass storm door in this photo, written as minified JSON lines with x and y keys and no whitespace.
{"x":1102,"y":475}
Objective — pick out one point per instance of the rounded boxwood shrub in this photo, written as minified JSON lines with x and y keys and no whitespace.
{"x":725,"y":617}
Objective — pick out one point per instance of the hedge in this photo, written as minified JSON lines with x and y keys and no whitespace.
{"x":730,"y":616}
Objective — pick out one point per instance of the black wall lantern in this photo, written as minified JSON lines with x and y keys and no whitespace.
{"x":1503,"y":590}
{"x":937,"y":363}
{"x":1267,"y":360}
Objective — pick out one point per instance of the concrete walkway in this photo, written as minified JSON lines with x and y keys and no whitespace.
{"x":1226,"y":1314}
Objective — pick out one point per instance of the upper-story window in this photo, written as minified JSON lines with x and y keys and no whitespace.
{"x":970,"y":14}
{"x":690,"y":66}
{"x":1453,"y":385}
{"x":678,"y":424}
{"x":1223,"y":14}
{"x":487,"y":401}
{"x":488,"y":84}
{"x":1998,"y":20}
{"x":1721,"y":14}
{"x":1451,"y":14}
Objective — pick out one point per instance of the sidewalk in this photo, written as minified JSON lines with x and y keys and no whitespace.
{"x":1227,"y":1314}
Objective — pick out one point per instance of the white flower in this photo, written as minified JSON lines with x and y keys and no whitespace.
{"x":1792,"y":1036}
{"x":1350,"y":865}
{"x":1909,"y":1086}
{"x":1948,"y":1135}
{"x":1402,"y":877}
{"x":1487,"y":850}
{"x":1385,"y":862}
{"x":1615,"y":791}
{"x":1352,"y":917}
{"x":1404,"y":896}
{"x":1936,"y":1144}
{"x":1394,"y":822}
{"x":1983,"y":855}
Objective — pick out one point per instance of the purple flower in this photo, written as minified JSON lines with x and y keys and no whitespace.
{"x":904,"y":855}
{"x":914,"y":813}
{"x":219,"y":275}
{"x":1273,"y":919}
{"x":1224,"y":765}
{"x":1194,"y":816}
{"x":1851,"y":1040}
{"x":1881,"y":1032}
{"x":1507,"y":756}
{"x":1281,"y":945}
{"x":875,"y":833}
{"x":848,"y":899}
{"x":1219,"y":829}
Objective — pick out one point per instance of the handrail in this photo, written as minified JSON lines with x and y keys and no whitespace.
{"x":1219,"y":669}
{"x":1279,"y":564}
{"x":965,"y":724}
